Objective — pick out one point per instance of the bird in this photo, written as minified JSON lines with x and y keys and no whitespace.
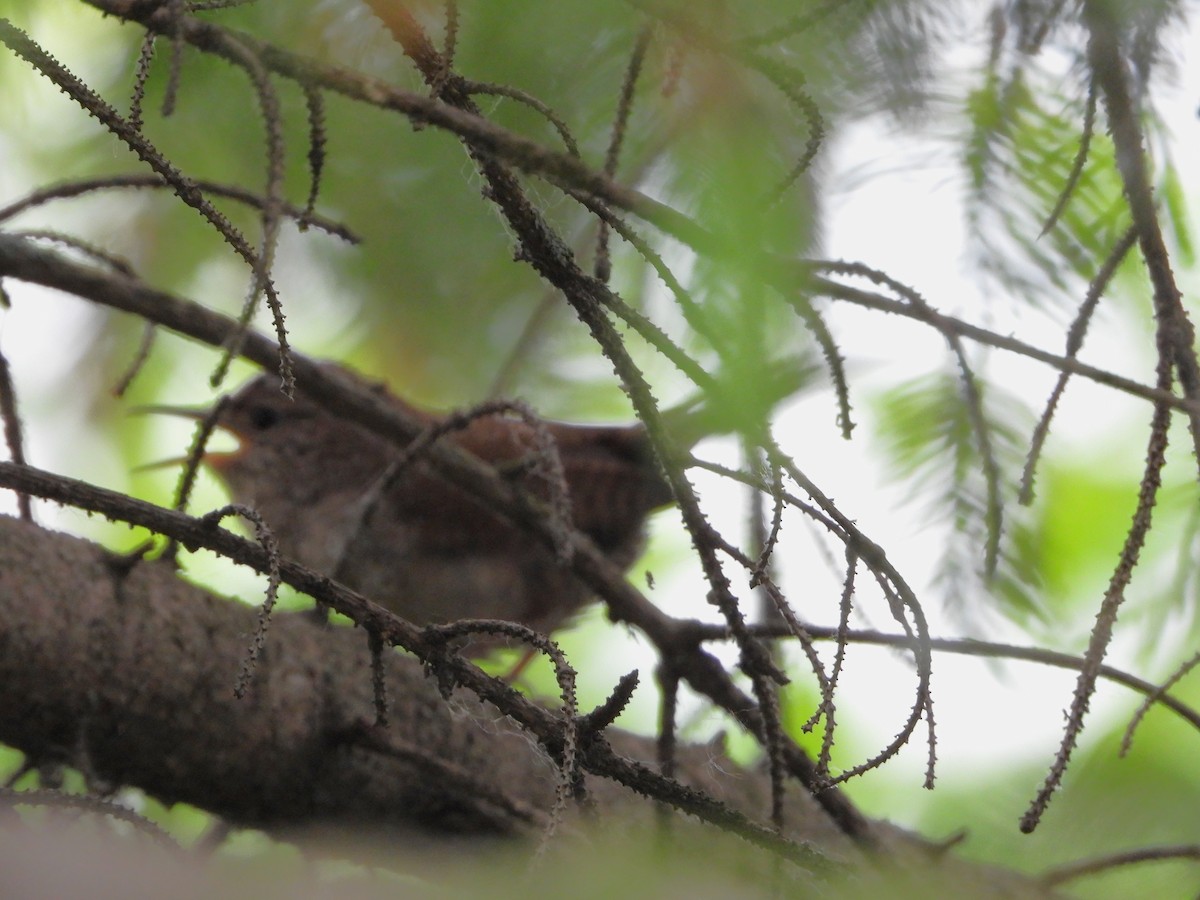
{"x":420,"y":545}
{"x":426,"y":549}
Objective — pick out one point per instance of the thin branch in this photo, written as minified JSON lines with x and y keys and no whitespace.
{"x":834,"y":363}
{"x":828,"y":708}
{"x":944,"y":323}
{"x":68,"y":189}
{"x":191,"y":465}
{"x":11,"y":418}
{"x":692,"y":310}
{"x":1085,"y":142}
{"x":268,"y":104}
{"x":603,"y":266}
{"x":87,"y":803}
{"x":140,"y":357}
{"x":1114,"y":596}
{"x":1071,"y":871}
{"x":266,"y":540}
{"x":314,"y":103}
{"x":1156,"y":696}
{"x":527,"y":99}
{"x":1075,"y":335}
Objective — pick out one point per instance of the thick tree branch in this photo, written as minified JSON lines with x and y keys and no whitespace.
{"x":126,"y":671}
{"x":548,"y":728}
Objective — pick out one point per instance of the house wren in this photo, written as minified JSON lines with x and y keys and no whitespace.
{"x":423,"y":547}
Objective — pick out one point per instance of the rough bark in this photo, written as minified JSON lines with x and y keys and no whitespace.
{"x":126,"y":672}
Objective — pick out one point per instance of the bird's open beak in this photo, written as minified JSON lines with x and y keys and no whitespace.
{"x":165,"y":409}
{"x":216,"y":460}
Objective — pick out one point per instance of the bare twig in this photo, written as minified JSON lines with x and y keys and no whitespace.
{"x":12,"y":432}
{"x":1071,"y":871}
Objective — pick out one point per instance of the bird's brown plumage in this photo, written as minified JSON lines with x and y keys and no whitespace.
{"x":425,"y":548}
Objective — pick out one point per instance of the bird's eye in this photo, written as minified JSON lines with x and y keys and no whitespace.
{"x":263,"y":417}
